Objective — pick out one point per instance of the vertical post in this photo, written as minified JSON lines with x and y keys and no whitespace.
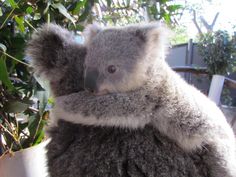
{"x":189,"y":59}
{"x":216,"y":87}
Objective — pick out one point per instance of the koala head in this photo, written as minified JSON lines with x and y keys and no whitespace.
{"x":120,"y":59}
{"x":58,"y":58}
{"x":111,"y":60}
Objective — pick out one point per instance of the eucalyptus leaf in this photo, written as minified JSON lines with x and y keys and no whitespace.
{"x":12,"y":3}
{"x":20,"y":23}
{"x":4,"y":77}
{"x":14,"y":106}
{"x":167,"y":18}
{"x":1,"y":12}
{"x":79,"y":27}
{"x":87,"y":10}
{"x":63,"y":11}
{"x":29,"y":10}
{"x":79,"y":6}
{"x":34,"y":122}
{"x":39,"y":137}
{"x":43,"y":100}
{"x":51,"y":100}
{"x":173,"y":8}
{"x":40,"y":133}
{"x":37,"y":16}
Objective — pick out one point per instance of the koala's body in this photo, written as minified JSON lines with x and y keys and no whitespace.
{"x":136,"y":97}
{"x":89,"y":151}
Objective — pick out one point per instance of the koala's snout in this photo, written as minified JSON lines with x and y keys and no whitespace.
{"x":90,"y":80}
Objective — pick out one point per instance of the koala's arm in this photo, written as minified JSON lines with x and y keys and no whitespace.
{"x":182,"y":113}
{"x":193,"y":121}
{"x":56,"y":56}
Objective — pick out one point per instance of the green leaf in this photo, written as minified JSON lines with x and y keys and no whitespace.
{"x":167,"y":18}
{"x":34,"y":122}
{"x":51,"y":100}
{"x":1,"y":12}
{"x":39,"y":138}
{"x":4,"y":77}
{"x":63,"y":11}
{"x":163,"y":1}
{"x":173,"y":8}
{"x":78,"y":6}
{"x":43,"y":100}
{"x":40,"y":133}
{"x":79,"y":27}
{"x":12,"y":3}
{"x":20,"y":23}
{"x":29,"y":10}
{"x":86,"y":12}
{"x":37,"y":16}
{"x":153,"y":10}
{"x":14,"y":106}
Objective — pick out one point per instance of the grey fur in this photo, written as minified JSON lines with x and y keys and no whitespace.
{"x":158,"y":96}
{"x":175,"y":108}
{"x":88,"y":151}
{"x":57,"y":57}
{"x":157,"y":100}
{"x":126,"y":49}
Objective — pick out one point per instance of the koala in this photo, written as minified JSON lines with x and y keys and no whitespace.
{"x":131,"y":59}
{"x":121,"y":111}
{"x":52,"y":50}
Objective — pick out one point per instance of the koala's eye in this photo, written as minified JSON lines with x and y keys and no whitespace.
{"x":111,"y":69}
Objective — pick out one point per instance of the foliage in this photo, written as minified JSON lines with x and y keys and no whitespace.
{"x":126,"y":11}
{"x":21,"y":125}
{"x":180,"y":35}
{"x":22,"y":116}
{"x":31,"y":14}
{"x":218,"y":50}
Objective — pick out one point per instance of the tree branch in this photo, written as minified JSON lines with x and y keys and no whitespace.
{"x":207,"y":26}
{"x":214,"y":21}
{"x":195,"y":23}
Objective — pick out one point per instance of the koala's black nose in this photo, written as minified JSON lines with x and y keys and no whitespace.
{"x":90,"y":80}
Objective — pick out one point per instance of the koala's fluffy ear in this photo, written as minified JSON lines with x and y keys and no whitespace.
{"x":154,"y":35}
{"x":91,"y":31}
{"x":51,"y":49}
